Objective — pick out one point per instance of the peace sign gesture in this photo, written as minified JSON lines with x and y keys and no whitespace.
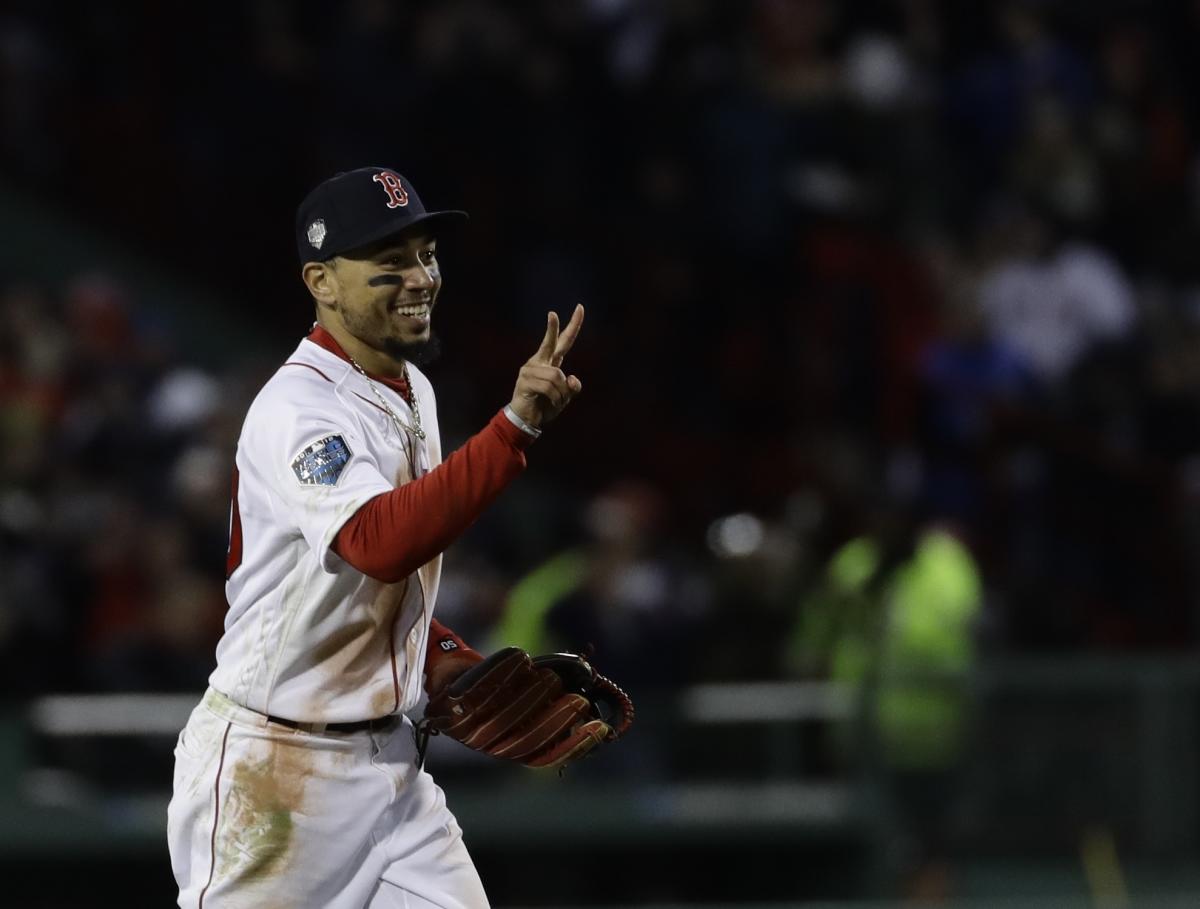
{"x":543,"y":391}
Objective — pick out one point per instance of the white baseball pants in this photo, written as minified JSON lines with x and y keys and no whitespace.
{"x":268,"y":817}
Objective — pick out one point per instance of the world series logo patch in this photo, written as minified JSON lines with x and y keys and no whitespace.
{"x":316,"y":233}
{"x":321,"y":464}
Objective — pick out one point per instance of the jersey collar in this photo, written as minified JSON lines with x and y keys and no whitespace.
{"x":322,"y":338}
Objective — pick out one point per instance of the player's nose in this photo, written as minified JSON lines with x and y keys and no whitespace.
{"x":419,"y":278}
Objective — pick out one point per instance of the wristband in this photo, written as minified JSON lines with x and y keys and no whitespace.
{"x":516,"y":421}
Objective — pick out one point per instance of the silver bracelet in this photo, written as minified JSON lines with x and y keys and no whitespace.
{"x":516,"y":421}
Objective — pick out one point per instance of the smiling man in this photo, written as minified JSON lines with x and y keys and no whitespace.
{"x":298,"y":780}
{"x":396,"y":311}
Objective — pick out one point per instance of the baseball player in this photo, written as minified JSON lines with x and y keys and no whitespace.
{"x":298,"y":780}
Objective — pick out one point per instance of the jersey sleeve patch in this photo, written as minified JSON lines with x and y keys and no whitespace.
{"x":321,"y":464}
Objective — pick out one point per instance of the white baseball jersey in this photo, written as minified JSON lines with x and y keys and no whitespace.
{"x":307,"y":637}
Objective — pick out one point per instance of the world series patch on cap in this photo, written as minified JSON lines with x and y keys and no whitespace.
{"x":359,"y":207}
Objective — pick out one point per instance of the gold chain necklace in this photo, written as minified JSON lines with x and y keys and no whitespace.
{"x":401,"y":426}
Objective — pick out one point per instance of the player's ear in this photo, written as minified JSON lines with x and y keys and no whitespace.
{"x":321,"y":280}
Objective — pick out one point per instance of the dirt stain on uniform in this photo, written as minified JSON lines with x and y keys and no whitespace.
{"x":383,"y":701}
{"x":351,"y":653}
{"x":265,"y":792}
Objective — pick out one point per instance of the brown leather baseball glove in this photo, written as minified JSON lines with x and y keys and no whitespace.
{"x":542,"y":712}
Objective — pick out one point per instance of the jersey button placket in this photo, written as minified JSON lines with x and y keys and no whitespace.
{"x":412,"y":649}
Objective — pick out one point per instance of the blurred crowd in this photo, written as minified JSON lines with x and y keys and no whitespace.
{"x":873,"y":275}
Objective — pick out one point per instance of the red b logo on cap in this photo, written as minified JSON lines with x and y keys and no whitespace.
{"x":393,"y":187}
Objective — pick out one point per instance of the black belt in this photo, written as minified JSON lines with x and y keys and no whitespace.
{"x":376,"y":725}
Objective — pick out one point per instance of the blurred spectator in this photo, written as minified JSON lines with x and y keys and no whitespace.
{"x":1051,"y":300}
{"x":895,"y":618}
{"x":969,"y":379}
{"x":622,"y":592}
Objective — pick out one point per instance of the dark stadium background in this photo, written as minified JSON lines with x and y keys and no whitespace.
{"x":854,"y":271}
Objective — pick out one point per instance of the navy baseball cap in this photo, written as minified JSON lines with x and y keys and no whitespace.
{"x":358,"y":207}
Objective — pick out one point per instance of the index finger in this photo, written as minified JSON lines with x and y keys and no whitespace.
{"x":566,"y":340}
{"x":546,"y":350}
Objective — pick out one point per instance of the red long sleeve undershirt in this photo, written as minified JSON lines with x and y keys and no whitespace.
{"x":397,"y":532}
{"x":443,"y":641}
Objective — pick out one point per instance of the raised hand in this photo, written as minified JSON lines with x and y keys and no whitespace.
{"x":543,"y":390}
